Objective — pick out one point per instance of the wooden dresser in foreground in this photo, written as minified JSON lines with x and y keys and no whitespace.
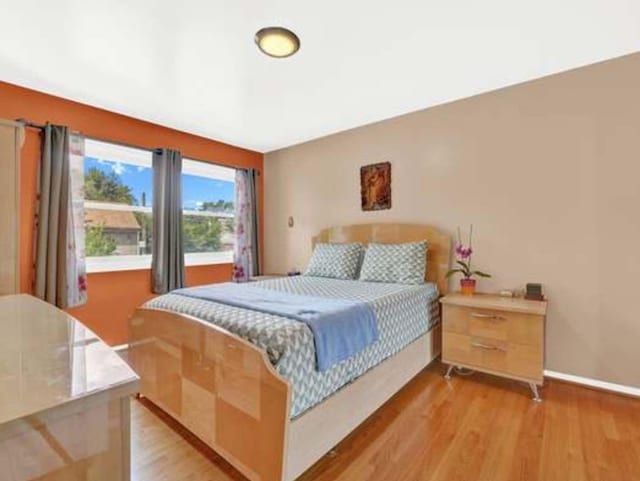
{"x":64,"y":398}
{"x":498,"y":335}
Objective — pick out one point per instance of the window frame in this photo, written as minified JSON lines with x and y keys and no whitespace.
{"x":202,"y":168}
{"x":139,"y":157}
{"x":118,"y":262}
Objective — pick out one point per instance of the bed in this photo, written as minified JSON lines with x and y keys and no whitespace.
{"x":245,"y":382}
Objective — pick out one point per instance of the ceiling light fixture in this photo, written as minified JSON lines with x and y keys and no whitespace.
{"x":277,"y":42}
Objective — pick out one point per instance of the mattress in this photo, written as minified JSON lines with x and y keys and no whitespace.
{"x":403,"y":312}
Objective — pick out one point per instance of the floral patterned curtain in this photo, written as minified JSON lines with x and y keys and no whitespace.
{"x":245,"y":256}
{"x":76,"y":262}
{"x":60,"y":276}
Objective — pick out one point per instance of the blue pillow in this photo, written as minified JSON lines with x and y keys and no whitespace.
{"x":338,"y":261}
{"x":395,"y":263}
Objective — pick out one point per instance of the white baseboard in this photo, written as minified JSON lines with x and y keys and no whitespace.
{"x":606,"y":386}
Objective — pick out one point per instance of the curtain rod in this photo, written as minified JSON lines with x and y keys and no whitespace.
{"x":28,"y":123}
{"x":33,"y":125}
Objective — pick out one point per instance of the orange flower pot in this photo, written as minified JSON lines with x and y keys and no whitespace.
{"x":468,"y":286}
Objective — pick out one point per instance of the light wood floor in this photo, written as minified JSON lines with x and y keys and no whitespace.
{"x":472,"y":428}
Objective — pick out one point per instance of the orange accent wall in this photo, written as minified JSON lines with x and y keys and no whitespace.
{"x":112,"y":295}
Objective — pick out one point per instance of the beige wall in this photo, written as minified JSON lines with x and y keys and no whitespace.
{"x":549,"y":174}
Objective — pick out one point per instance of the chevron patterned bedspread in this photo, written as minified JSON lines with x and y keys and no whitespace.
{"x":404,"y":313}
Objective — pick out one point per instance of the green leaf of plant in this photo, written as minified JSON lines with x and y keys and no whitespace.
{"x":452,"y":272}
{"x":481,"y":274}
{"x":465,"y":268}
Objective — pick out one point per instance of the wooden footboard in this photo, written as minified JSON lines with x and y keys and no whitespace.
{"x":217,"y":385}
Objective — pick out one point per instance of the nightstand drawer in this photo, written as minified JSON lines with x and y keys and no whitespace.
{"x":519,"y":360}
{"x":512,"y":327}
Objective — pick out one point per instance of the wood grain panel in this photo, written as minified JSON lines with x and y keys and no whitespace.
{"x":11,"y":137}
{"x":362,"y":398}
{"x":189,"y":366}
{"x":477,"y":428}
{"x":495,"y":302}
{"x":221,"y":387}
{"x":516,"y":360}
{"x":498,"y":325}
{"x":438,"y":242}
{"x":496,"y":335}
{"x":87,"y":442}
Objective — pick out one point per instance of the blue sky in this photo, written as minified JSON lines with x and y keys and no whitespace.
{"x":195,"y":190}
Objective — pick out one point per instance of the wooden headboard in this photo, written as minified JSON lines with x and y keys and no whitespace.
{"x":438,"y":243}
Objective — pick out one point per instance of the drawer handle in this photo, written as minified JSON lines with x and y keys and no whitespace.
{"x":491,"y":317}
{"x":488,"y":347}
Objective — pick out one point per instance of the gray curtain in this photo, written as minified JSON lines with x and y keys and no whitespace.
{"x":167,"y":254}
{"x":53,"y":218}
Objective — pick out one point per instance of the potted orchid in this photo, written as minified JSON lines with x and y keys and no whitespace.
{"x":463,"y":260}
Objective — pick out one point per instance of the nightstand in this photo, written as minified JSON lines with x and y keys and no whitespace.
{"x":497,"y":335}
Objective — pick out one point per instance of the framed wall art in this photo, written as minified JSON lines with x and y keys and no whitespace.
{"x":375,"y":186}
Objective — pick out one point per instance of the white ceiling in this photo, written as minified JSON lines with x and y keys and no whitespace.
{"x":192,"y":64}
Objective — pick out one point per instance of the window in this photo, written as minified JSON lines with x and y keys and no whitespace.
{"x":208,"y":194}
{"x":118,"y":198}
{"x":118,"y":189}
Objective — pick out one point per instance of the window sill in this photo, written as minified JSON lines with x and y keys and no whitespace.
{"x":136,"y":263}
{"x":118,"y":263}
{"x":208,"y":258}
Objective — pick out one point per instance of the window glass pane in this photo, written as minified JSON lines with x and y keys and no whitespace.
{"x":208,"y":193}
{"x":118,"y":196}
{"x":118,"y":200}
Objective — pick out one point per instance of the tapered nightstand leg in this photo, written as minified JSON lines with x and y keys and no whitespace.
{"x":534,"y":390}
{"x":448,"y":374}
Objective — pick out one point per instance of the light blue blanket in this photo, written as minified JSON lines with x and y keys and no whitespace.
{"x":341,"y":328}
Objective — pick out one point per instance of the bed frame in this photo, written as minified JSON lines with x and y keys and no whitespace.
{"x":226,"y":391}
